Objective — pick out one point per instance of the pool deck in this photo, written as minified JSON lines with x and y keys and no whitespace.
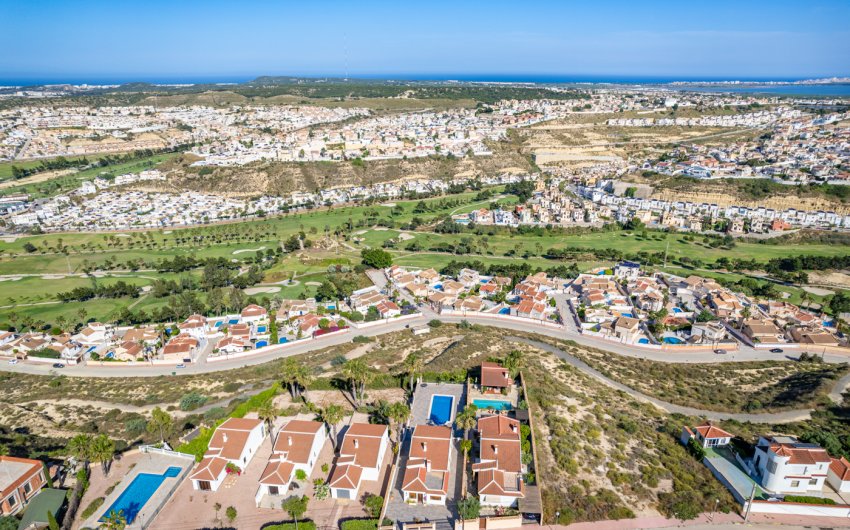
{"x":154,"y":463}
{"x":512,"y":397}
{"x":420,"y":410}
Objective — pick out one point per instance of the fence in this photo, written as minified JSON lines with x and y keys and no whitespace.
{"x":274,"y":347}
{"x":506,"y":318}
{"x":798,"y":508}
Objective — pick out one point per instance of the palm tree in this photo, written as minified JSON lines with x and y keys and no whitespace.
{"x":467,"y":419}
{"x":514,"y":362}
{"x":80,"y":448}
{"x":413,"y":364}
{"x":398,"y":413}
{"x":358,"y":375}
{"x":296,"y":376}
{"x":114,"y":521}
{"x":268,"y":413}
{"x":331,"y":415}
{"x":103,"y":451}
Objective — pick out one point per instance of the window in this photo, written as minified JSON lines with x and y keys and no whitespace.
{"x":12,"y":500}
{"x":813,"y":482}
{"x":795,"y":483}
{"x":771,"y":466}
{"x":27,"y":488}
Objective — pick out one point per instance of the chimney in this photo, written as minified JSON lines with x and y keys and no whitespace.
{"x":424,"y":446}
{"x":225,"y":437}
{"x":495,"y":449}
{"x":513,"y":427}
{"x":289,"y":440}
{"x":356,"y":443}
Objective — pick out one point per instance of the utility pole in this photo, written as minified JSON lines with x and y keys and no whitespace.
{"x":750,"y":503}
{"x":666,"y":250}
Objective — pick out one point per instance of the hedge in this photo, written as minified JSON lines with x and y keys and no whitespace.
{"x":359,"y":524}
{"x":92,"y":507}
{"x":302,"y":525}
{"x":805,"y":499}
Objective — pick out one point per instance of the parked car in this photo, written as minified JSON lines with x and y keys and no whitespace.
{"x":720,"y":352}
{"x":13,"y":361}
{"x":181,"y":365}
{"x":58,"y":365}
{"x":776,"y":350}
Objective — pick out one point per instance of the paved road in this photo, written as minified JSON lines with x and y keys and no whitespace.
{"x":776,"y":417}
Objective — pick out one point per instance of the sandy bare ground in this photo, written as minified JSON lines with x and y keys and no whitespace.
{"x":404,"y":236}
{"x":819,"y":291}
{"x":243,"y":250}
{"x":260,"y":290}
{"x":832,"y":278}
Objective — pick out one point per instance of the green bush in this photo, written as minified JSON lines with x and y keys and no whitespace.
{"x":192,"y":400}
{"x":359,"y":524}
{"x":92,"y":507}
{"x":805,"y":499}
{"x":302,"y":525}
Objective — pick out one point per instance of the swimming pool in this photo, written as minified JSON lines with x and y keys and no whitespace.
{"x":261,"y":329}
{"x":441,"y":409}
{"x":505,"y":311}
{"x":672,"y":340}
{"x":233,"y":321}
{"x":261,"y":344}
{"x":138,"y":493}
{"x":492,"y":404}
{"x":629,"y":315}
{"x":677,"y":310}
{"x":643,"y":341}
{"x":283,"y":340}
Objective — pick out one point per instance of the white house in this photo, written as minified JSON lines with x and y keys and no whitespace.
{"x":706,"y":435}
{"x":428,"y":467}
{"x":786,"y":465}
{"x":195,"y":326}
{"x":360,"y":457}
{"x":839,"y":475}
{"x":253,"y":313}
{"x":627,"y":270}
{"x":499,"y":467}
{"x":234,"y":442}
{"x":296,"y":447}
{"x":94,"y":334}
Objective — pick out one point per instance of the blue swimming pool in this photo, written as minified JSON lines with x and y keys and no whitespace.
{"x":643,"y":341}
{"x":283,"y":340}
{"x":138,"y":493}
{"x":492,"y":404}
{"x":261,"y":329}
{"x":677,"y":310}
{"x":262,"y":343}
{"x":218,"y":324}
{"x":672,"y":340}
{"x":233,"y":321}
{"x":627,"y":315}
{"x":441,"y":409}
{"x":505,"y":311}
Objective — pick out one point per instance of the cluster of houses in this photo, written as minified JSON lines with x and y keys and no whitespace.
{"x":472,"y":292}
{"x":780,"y":465}
{"x":26,"y":492}
{"x":700,"y":217}
{"x":801,"y":149}
{"x":624,"y":304}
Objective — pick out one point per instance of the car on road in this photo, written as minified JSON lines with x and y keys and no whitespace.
{"x":720,"y":352}
{"x":13,"y":361}
{"x":776,"y":350}
{"x":58,"y":365}
{"x":181,"y":365}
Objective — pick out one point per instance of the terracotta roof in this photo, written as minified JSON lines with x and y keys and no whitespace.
{"x":231,"y":436}
{"x":497,"y":482}
{"x":500,"y":443}
{"x":295,"y":440}
{"x":417,"y":479}
{"x":277,"y":473}
{"x":709,"y":431}
{"x":432,"y":443}
{"x":494,"y":375}
{"x":363,"y":442}
{"x":210,"y":468}
{"x":253,"y":310}
{"x":346,"y":476}
{"x":841,"y":467}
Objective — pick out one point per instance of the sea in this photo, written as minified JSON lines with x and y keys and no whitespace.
{"x":752,"y":86}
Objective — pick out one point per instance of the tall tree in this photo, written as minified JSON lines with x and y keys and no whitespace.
{"x":295,"y":507}
{"x":413,"y":364}
{"x":358,"y":376}
{"x":160,"y":423}
{"x":332,"y":415}
{"x":103,"y":451}
{"x":296,"y":376}
{"x":398,"y":413}
{"x":80,"y":448}
{"x":268,"y":413}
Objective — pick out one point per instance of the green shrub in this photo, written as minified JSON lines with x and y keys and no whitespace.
{"x":192,"y":400}
{"x":359,"y":524}
{"x":92,"y":507}
{"x":302,"y":525}
{"x":805,"y":499}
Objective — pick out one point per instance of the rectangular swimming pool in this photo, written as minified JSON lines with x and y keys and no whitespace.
{"x":138,"y":493}
{"x":441,"y":409}
{"x":492,"y":404}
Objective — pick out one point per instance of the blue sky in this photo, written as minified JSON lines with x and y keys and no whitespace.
{"x":212,"y":39}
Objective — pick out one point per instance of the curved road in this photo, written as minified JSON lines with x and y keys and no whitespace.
{"x":787,"y":416}
{"x":569,"y":332}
